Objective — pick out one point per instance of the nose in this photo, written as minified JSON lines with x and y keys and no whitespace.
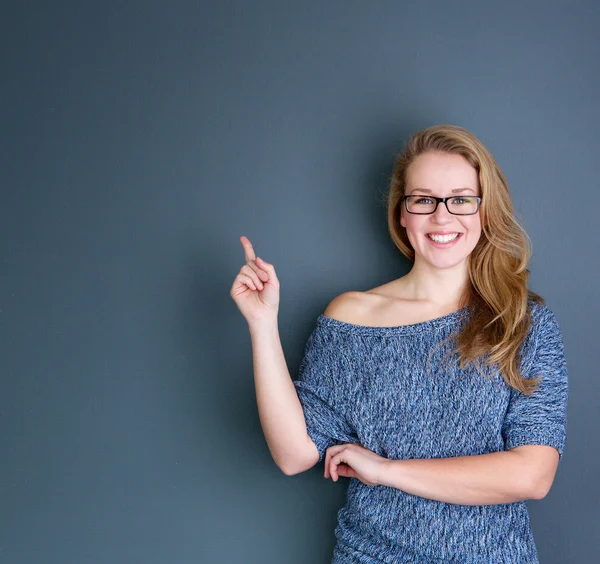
{"x":442,"y":215}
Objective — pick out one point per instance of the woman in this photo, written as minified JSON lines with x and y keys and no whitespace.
{"x":442,"y":395}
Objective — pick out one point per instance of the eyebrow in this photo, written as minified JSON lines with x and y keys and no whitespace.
{"x":429,"y":191}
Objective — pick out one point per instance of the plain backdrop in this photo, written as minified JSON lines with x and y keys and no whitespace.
{"x":140,"y":139}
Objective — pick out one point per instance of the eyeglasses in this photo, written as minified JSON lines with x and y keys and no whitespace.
{"x":456,"y":205}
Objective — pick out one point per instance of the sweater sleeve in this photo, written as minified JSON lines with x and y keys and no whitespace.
{"x":541,"y":417}
{"x":320,"y":388}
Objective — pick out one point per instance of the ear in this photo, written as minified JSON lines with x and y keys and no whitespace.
{"x":402,"y":219}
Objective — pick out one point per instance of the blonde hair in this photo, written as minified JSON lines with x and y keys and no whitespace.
{"x":497,"y":295}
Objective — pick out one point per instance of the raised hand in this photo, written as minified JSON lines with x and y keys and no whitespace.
{"x":255,"y":289}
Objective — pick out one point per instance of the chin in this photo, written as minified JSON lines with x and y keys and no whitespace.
{"x":447,"y":262}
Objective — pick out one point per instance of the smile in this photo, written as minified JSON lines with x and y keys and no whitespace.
{"x":444,"y":238}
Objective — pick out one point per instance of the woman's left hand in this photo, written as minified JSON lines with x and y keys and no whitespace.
{"x":354,"y":461}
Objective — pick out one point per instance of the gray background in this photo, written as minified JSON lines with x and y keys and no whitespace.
{"x":140,"y":140}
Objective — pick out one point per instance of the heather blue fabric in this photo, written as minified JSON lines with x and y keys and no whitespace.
{"x":374,"y":386}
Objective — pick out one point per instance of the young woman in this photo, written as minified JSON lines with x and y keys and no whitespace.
{"x":442,"y":395}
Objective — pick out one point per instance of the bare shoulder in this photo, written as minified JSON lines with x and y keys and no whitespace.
{"x":347,"y":306}
{"x":388,"y":305}
{"x":356,"y":307}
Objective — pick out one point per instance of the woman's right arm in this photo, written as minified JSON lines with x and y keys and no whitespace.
{"x":279,"y":408}
{"x":255,"y":291}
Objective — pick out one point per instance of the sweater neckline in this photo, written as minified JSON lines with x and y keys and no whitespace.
{"x":420,"y":327}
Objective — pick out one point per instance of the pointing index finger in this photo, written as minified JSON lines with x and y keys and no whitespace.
{"x":248,"y":250}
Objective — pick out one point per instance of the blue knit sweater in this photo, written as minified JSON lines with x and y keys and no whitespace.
{"x":374,"y":386}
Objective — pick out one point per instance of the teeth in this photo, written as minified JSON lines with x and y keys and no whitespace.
{"x":443,"y":238}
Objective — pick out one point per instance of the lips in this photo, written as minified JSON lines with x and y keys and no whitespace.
{"x":444,"y":237}
{"x":448,"y":238}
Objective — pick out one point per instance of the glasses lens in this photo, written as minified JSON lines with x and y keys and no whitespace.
{"x":462,"y":205}
{"x":420,"y":204}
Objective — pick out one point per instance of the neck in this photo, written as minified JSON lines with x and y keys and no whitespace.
{"x":439,"y":286}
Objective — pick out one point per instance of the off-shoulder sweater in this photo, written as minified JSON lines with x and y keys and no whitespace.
{"x":399,"y":392}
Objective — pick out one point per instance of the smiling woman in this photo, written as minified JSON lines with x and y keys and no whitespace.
{"x":442,"y":394}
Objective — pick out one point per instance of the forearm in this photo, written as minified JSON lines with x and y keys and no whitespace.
{"x":279,"y":408}
{"x":485,"y":479}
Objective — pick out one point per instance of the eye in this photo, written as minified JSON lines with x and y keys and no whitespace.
{"x":423,"y":200}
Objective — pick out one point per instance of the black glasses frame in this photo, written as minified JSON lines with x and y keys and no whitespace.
{"x":437,"y":203}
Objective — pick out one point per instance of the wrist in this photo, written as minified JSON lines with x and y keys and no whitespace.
{"x":264,"y":326}
{"x":388,"y":468}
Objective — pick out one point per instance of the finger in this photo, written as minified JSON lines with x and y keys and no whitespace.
{"x":338,"y":464}
{"x":333,"y":469}
{"x":251,"y":274}
{"x":345,"y":470}
{"x":329,"y":453}
{"x":246,"y":280}
{"x":270,"y":270}
{"x":248,"y":250}
{"x":262,"y":274}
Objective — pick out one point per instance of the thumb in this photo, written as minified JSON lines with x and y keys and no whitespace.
{"x":269,"y":268}
{"x":264,"y":263}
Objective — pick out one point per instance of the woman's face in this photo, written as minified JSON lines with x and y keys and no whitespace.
{"x":441,"y":174}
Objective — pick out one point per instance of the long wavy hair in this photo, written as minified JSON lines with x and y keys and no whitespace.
{"x":497,"y":294}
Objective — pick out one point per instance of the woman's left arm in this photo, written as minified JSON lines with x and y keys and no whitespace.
{"x":525,"y":472}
